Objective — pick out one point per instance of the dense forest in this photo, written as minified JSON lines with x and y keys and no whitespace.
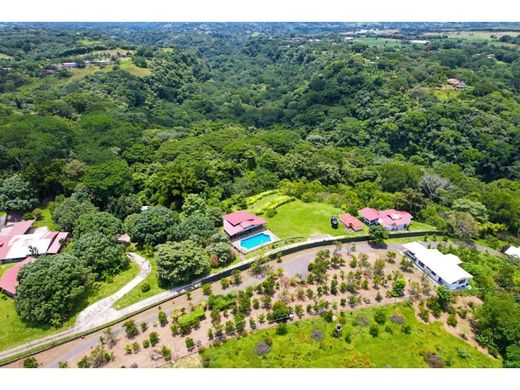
{"x":201,"y":116}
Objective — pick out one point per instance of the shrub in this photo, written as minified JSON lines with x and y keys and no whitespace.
{"x":206,"y":289}
{"x":348,"y":336}
{"x":146,"y":343}
{"x":281,"y":329}
{"x":452,"y":320}
{"x":424,"y":314}
{"x":154,"y":339}
{"x":388,"y":329}
{"x":136,"y":347}
{"x":189,"y":343}
{"x":128,"y":348}
{"x":130,"y":328}
{"x":30,"y":363}
{"x":406,"y":329}
{"x":63,"y":365}
{"x":144,"y":326}
{"x":145,"y":287}
{"x":374,"y":330}
{"x":224,"y":283}
{"x":270,"y":212}
{"x":398,"y":288}
{"x":166,"y":352}
{"x":380,"y":316}
{"x":229,"y":327}
{"x":379,"y":297}
{"x":462,"y":353}
{"x":163,"y":318}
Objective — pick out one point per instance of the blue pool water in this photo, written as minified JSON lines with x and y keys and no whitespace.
{"x":254,"y":241}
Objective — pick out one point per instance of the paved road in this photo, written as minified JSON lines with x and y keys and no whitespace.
{"x":102,"y":312}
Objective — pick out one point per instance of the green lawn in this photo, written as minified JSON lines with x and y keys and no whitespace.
{"x":46,"y":220}
{"x":130,"y":67}
{"x":420,"y":226}
{"x":374,"y":41}
{"x":136,"y":295}
{"x":396,"y":349}
{"x":297,"y":218}
{"x":15,"y":332}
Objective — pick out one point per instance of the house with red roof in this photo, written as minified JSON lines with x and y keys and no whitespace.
{"x":9,"y":280}
{"x":240,"y":222}
{"x":351,"y":222}
{"x":391,"y":219}
{"x":19,"y":240}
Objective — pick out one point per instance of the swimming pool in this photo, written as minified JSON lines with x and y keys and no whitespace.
{"x":255,"y":241}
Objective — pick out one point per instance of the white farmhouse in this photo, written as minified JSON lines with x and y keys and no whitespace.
{"x":442,"y":269}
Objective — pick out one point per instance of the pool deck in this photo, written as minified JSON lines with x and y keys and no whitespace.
{"x":236,"y":242}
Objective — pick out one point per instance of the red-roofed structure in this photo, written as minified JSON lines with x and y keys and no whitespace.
{"x":18,"y":240}
{"x":57,"y":243}
{"x":351,"y":222}
{"x":240,"y":222}
{"x":391,"y":219}
{"x":9,"y":280}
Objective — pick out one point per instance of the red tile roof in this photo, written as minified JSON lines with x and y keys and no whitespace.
{"x":16,"y":228}
{"x":386,"y":217}
{"x":9,"y":280}
{"x":369,"y":213}
{"x":57,"y":243}
{"x":351,"y":222}
{"x":240,"y":221}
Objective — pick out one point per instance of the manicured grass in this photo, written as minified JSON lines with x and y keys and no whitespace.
{"x":136,"y":295}
{"x":130,"y":67}
{"x":396,"y":349}
{"x":15,"y":332}
{"x":297,"y":219}
{"x":46,"y":220}
{"x":104,"y":289}
{"x":420,"y":226}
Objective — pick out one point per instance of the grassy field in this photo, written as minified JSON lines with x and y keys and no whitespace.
{"x":131,"y":68}
{"x":15,"y":332}
{"x":304,"y":219}
{"x":5,"y":57}
{"x":46,"y":220}
{"x":391,"y":348}
{"x":374,"y":41}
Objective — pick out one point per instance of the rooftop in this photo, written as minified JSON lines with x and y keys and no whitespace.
{"x":9,"y":280}
{"x":240,"y":221}
{"x":445,"y":266}
{"x":18,"y":241}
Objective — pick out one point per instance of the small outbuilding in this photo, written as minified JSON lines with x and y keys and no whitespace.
{"x":351,"y":222}
{"x":511,"y":250}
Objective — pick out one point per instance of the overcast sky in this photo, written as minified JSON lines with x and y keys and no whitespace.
{"x":260,"y":10}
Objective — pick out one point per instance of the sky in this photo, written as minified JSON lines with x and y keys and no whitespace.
{"x":259,"y":10}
